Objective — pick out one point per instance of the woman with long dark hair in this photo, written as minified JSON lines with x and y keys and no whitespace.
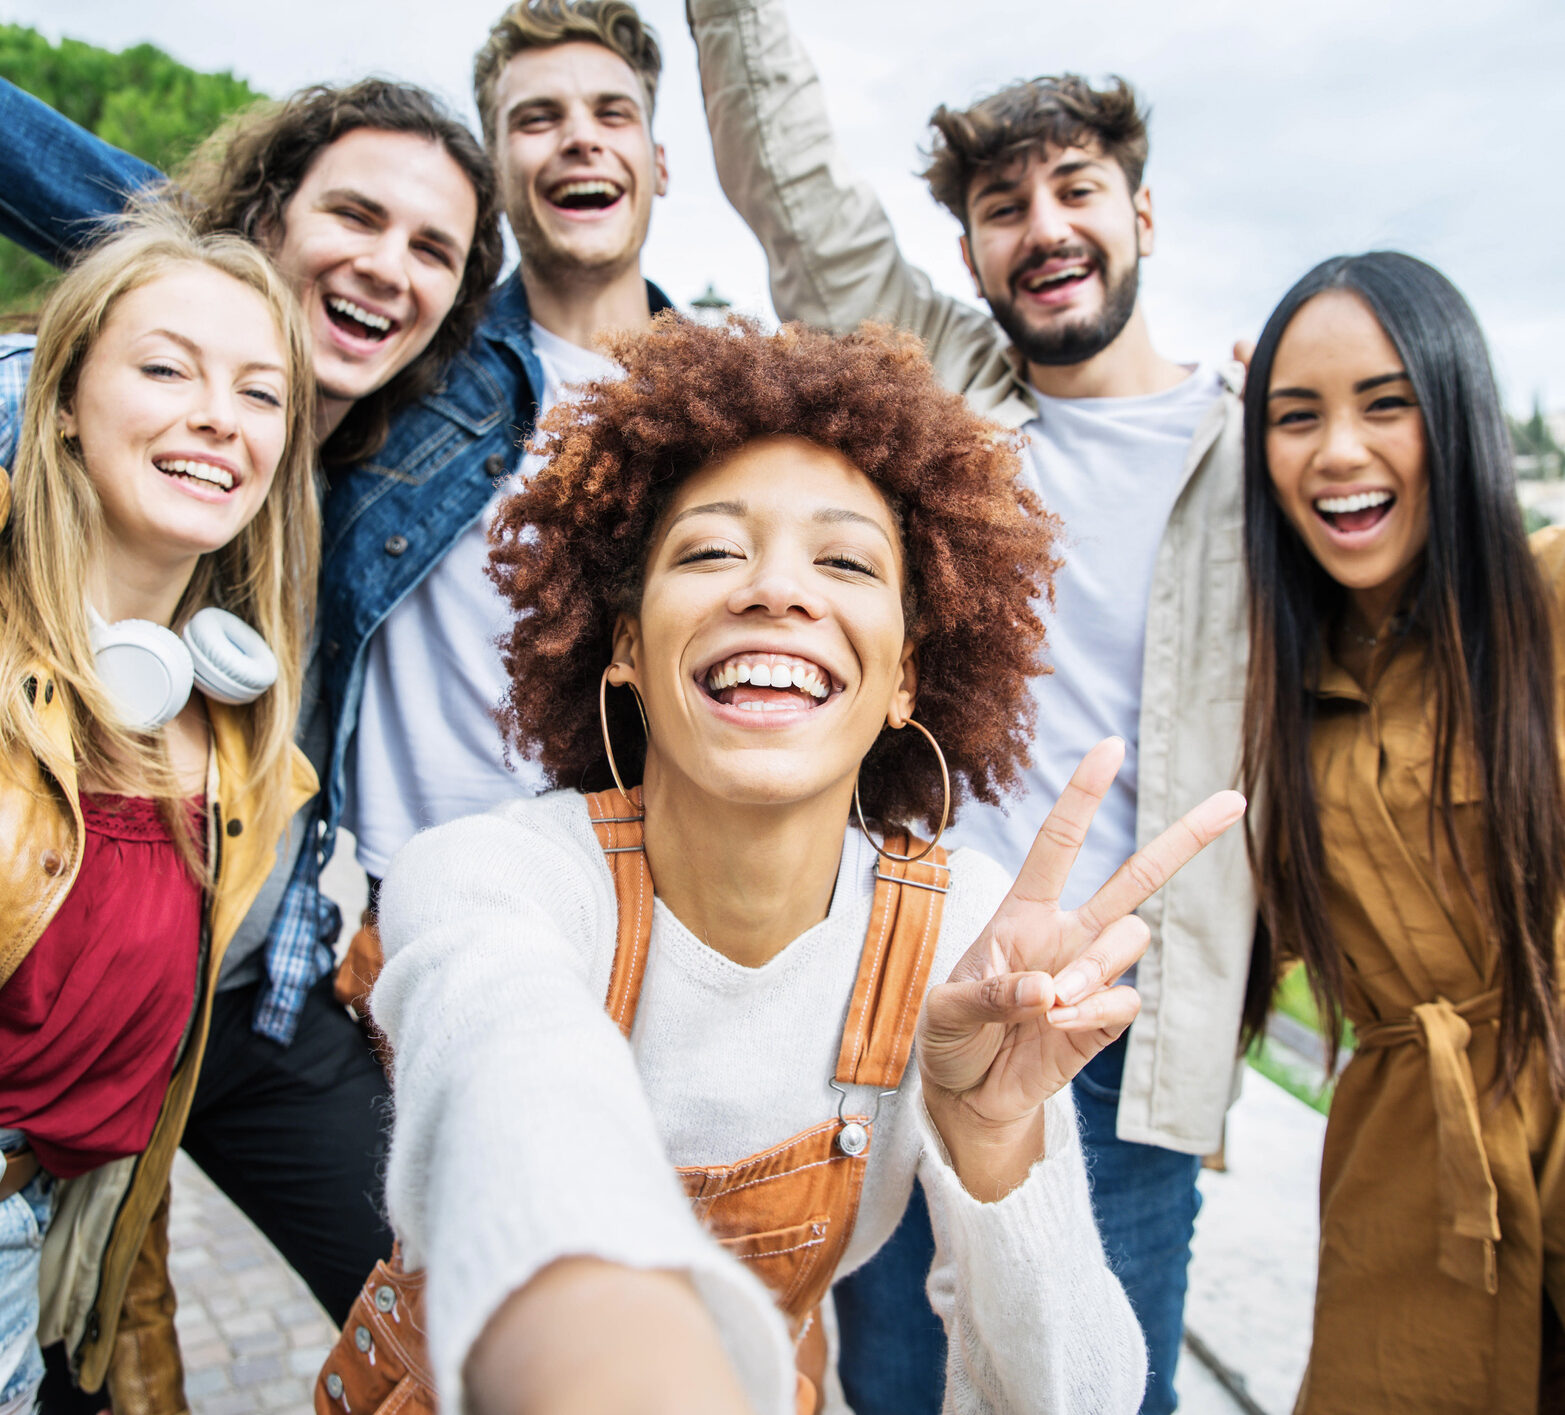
{"x":1402,"y":731}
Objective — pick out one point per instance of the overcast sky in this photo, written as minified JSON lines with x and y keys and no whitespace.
{"x":1281,"y":133}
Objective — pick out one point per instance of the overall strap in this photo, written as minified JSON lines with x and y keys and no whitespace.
{"x":616,"y":820}
{"x":899,"y":951}
{"x":899,"y":945}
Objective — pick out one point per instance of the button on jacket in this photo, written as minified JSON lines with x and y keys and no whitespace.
{"x":834,"y":263}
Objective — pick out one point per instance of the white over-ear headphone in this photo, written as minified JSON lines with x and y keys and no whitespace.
{"x":149,"y":670}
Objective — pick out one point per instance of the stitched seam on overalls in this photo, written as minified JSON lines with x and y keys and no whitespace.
{"x":635,"y":956}
{"x":724,"y":1171}
{"x":880,"y":945}
{"x":778,"y":1252}
{"x":918,"y":964}
{"x":783,"y":1173}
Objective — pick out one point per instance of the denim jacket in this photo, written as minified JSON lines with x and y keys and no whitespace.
{"x":386,"y":523}
{"x":389,"y":521}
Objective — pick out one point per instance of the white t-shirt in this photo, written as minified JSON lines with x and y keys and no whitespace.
{"x":1111,"y":469}
{"x":428,"y":749}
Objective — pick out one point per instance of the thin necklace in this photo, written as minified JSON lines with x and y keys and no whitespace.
{"x":1395,"y":625}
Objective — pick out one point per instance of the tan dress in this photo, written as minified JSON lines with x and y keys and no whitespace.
{"x":1442,"y":1211}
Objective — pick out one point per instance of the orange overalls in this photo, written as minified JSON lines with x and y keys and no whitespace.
{"x":788,"y":1212}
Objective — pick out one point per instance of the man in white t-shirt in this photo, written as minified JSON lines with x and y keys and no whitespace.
{"x":428,"y":749}
{"x":565,"y":93}
{"x":1140,"y":458}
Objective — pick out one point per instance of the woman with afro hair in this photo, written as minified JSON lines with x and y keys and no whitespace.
{"x":743,"y":569}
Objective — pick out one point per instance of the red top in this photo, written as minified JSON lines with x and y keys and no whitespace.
{"x":91,"y":1021}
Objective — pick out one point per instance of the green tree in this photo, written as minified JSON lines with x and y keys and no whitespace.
{"x":140,"y":100}
{"x":1532,"y":440}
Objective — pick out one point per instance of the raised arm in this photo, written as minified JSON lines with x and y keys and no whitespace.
{"x":833,"y":256}
{"x":57,"y":180}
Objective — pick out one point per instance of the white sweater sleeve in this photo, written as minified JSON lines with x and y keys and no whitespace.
{"x":522,"y":1132}
{"x":1035,"y":1319}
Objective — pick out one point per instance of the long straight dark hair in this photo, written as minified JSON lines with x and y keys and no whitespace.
{"x":1480,"y":605}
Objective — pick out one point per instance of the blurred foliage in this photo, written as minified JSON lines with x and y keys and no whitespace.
{"x":1532,"y":436}
{"x":140,"y":100}
{"x":1295,"y":999}
{"x":1299,"y":1079}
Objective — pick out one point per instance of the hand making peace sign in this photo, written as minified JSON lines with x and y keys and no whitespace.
{"x":1034,"y":999}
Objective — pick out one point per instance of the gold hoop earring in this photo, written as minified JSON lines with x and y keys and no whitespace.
{"x":945,"y":809}
{"x":603,"y":722}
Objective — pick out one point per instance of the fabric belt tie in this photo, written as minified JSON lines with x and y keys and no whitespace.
{"x":1469,"y":1201}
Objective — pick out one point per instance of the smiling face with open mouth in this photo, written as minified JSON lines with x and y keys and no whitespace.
{"x":1054,"y":243}
{"x":578,"y":167}
{"x":769,"y":646}
{"x":1347,"y":451}
{"x":374,"y":243}
{"x":180,"y":411}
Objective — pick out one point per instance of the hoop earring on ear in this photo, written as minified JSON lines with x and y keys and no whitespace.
{"x":945,"y":809}
{"x":603,"y":722}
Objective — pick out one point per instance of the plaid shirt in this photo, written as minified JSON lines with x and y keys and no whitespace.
{"x":298,"y":944}
{"x":16,"y":361}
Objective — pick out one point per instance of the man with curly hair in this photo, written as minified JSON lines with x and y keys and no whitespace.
{"x":1139,"y":457}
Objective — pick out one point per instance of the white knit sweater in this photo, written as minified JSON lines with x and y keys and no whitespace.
{"x":528,"y":1130}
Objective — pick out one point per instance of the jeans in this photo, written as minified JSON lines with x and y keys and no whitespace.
{"x":1145,"y":1200}
{"x":893,"y":1359}
{"x":24,"y":1219}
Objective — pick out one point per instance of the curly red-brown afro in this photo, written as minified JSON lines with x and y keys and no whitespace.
{"x":570,"y":549}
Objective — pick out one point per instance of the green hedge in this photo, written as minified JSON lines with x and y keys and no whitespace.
{"x":140,"y":100}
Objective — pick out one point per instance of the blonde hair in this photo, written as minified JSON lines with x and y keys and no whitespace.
{"x":541,"y":24}
{"x":266,"y":574}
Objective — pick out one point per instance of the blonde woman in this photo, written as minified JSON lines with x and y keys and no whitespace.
{"x":157,"y":559}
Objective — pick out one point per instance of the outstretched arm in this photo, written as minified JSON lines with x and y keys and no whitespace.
{"x":526,"y":1172}
{"x":58,"y":181}
{"x":833,"y":256}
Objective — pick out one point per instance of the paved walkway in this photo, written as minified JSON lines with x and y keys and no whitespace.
{"x":253,"y":1338}
{"x":1252,"y":1284}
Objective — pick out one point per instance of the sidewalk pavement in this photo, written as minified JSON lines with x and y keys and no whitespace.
{"x":252,"y":1336}
{"x":1252,"y":1283}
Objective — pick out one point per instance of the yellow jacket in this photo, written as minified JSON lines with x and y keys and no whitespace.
{"x":102,"y":1219}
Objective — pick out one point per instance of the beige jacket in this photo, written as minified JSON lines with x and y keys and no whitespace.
{"x":834,"y":263}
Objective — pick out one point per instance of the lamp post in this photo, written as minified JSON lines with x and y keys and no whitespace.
{"x":709,"y":307}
